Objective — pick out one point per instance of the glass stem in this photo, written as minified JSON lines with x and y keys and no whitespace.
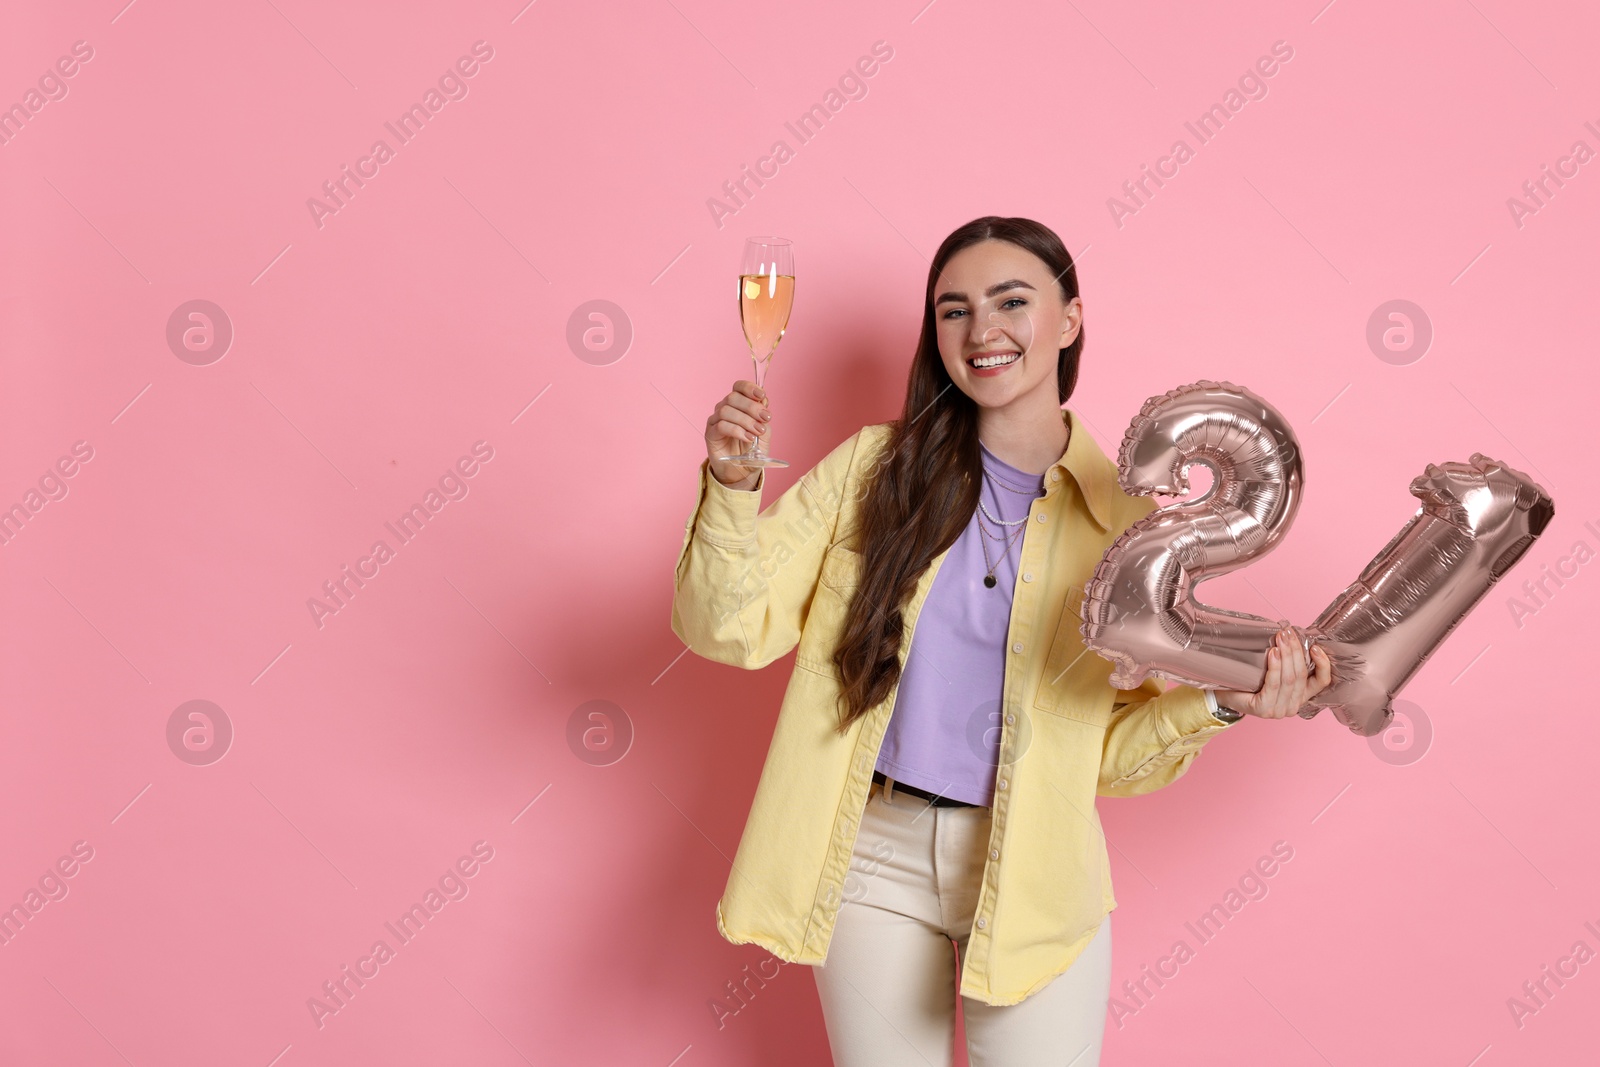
{"x":755,"y":446}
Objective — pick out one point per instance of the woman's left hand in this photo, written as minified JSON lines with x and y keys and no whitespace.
{"x":1289,"y":683}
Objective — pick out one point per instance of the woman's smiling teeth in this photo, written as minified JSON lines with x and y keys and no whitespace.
{"x":995,"y":359}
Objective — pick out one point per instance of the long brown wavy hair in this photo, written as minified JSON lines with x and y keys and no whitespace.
{"x":924,"y":488}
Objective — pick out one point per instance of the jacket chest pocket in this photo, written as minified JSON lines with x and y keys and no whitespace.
{"x":836,"y":586}
{"x":1077,"y":680}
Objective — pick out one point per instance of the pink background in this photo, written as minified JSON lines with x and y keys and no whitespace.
{"x":433,"y":711}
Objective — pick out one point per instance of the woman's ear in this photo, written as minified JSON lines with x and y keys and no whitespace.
{"x":1071,"y":321}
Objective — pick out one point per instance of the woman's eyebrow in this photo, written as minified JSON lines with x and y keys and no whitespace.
{"x":998,"y":287}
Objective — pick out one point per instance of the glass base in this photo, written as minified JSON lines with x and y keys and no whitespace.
{"x":745,"y":459}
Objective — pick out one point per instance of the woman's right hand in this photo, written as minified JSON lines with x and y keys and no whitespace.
{"x":732,"y":426}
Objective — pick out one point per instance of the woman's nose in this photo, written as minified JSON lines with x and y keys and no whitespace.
{"x":988,"y":328}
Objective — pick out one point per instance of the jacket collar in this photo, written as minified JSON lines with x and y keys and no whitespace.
{"x":1094,"y":472}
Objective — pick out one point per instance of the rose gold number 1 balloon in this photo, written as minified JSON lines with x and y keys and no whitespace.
{"x":1476,"y":520}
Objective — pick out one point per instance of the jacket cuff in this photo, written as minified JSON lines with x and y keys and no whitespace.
{"x":1186,"y":715}
{"x":727,"y":516}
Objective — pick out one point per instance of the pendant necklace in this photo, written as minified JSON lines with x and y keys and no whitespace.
{"x":989,"y":580}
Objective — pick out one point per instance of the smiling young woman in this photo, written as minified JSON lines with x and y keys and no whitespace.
{"x":924,"y":827}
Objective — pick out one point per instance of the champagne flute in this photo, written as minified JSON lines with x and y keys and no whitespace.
{"x":766,"y":295}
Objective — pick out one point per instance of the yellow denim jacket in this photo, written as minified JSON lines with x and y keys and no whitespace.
{"x":751,"y":586}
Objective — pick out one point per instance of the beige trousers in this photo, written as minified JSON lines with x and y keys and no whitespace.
{"x":888,"y":988}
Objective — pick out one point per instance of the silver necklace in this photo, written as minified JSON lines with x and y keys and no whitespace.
{"x":1019,"y":492}
{"x":1003,"y":485}
{"x":989,"y":579}
{"x":1000,"y":522}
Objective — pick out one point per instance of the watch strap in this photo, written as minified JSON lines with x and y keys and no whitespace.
{"x":1219,"y":712}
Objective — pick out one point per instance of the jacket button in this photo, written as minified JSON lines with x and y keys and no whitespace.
{"x":1001,"y":784}
{"x":994,"y":853}
{"x":1011,"y":718}
{"x":1041,"y":516}
{"x":1017,"y":647}
{"x":1055,"y":476}
{"x":981,"y":923}
{"x":1027,"y":576}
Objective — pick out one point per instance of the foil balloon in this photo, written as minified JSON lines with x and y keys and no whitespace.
{"x":1139,"y":610}
{"x":1476,"y":520}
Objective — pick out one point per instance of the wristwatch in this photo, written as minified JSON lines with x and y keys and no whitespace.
{"x":1221,"y":713}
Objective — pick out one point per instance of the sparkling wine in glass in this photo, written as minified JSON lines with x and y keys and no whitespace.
{"x":766,"y":295}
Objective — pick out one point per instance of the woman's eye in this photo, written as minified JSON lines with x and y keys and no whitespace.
{"x":952,"y":311}
{"x":1015,"y":299}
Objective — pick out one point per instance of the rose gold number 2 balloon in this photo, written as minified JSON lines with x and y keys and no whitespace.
{"x":1477,"y":519}
{"x":1139,"y":609}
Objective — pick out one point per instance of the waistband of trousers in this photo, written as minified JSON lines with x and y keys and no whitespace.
{"x":932,"y":798}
